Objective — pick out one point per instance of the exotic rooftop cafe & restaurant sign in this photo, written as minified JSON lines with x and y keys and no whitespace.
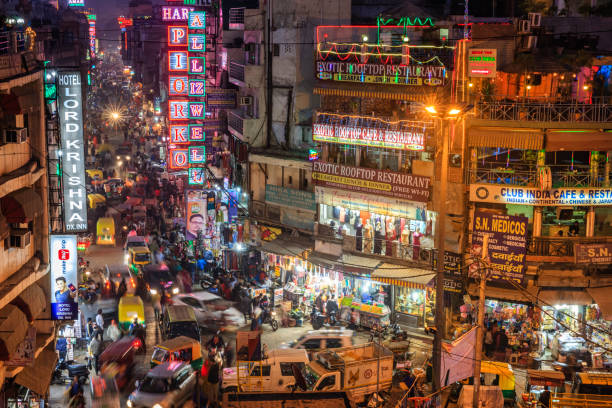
{"x":411,"y":138}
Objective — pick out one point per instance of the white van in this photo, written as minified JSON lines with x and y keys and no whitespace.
{"x":273,"y":374}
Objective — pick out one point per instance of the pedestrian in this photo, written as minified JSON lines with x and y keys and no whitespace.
{"x":95,"y":349}
{"x":245,"y":306}
{"x":61,"y":346}
{"x":113,"y":332}
{"x":89,"y":328}
{"x":214,"y":375}
{"x":100,"y":322}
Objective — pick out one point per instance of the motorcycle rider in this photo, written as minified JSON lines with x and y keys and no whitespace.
{"x":216,"y":341}
{"x":332,"y":309}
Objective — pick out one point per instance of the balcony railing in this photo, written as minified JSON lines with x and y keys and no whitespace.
{"x":236,"y":18}
{"x":562,"y":247}
{"x":544,"y":111}
{"x":236,"y":72}
{"x":562,"y":176}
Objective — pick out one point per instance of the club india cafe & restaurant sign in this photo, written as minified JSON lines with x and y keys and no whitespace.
{"x":488,"y":193}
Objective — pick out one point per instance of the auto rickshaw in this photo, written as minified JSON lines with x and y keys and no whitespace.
{"x":105,"y":230}
{"x":502,"y":375}
{"x":178,"y":349}
{"x":138,"y":257}
{"x":117,"y":360}
{"x":537,"y":380}
{"x":95,"y":200}
{"x":95,"y":176}
{"x":130,"y":306}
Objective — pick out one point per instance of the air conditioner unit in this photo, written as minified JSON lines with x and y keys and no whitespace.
{"x":524,"y":27}
{"x":532,"y":41}
{"x":15,"y":135}
{"x":535,"y":19}
{"x":245,"y":100}
{"x":20,"y":238}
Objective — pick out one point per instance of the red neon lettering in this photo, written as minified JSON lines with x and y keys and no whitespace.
{"x":180,"y":159}
{"x":177,"y":35}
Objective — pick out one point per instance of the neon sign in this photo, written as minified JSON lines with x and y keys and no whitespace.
{"x":197,"y":65}
{"x":197,"y":154}
{"x":179,"y":109}
{"x":197,"y":87}
{"x":196,"y":133}
{"x":196,"y":176}
{"x":197,"y":20}
{"x":178,"y":85}
{"x":175,"y":13}
{"x":179,"y":158}
{"x":179,"y":134}
{"x":197,"y":42}
{"x":177,"y":36}
{"x":197,"y":110}
{"x":177,"y":60}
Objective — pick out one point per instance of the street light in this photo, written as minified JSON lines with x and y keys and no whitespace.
{"x":446,"y":114}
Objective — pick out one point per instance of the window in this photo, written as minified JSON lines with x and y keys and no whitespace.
{"x":333,"y":343}
{"x":312,"y":344}
{"x":287,"y":368}
{"x":327,"y":382}
{"x":265,"y":371}
{"x":20,"y":238}
{"x":7,"y":243}
{"x":190,"y":302}
{"x":182,"y":376}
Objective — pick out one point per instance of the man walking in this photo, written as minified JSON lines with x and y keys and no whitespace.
{"x":100,"y":323}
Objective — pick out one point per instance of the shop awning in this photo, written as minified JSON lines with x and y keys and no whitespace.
{"x":37,"y":377}
{"x":565,"y":297}
{"x":284,"y":245}
{"x":503,"y":294}
{"x":503,"y":137}
{"x":13,"y":327}
{"x":403,"y":276}
{"x":569,"y":140}
{"x":359,"y":264}
{"x":21,"y":206}
{"x":32,"y":301}
{"x":357,"y":90}
{"x":603,"y":299}
{"x":325,"y":261}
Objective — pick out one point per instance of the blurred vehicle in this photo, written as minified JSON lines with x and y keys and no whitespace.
{"x":95,"y":200}
{"x":211,"y":311}
{"x":130,"y":306}
{"x":124,"y":152}
{"x":104,"y":392}
{"x":117,"y":360}
{"x":180,"y":348}
{"x":135,"y":241}
{"x":179,"y":321}
{"x":94,"y":176}
{"x":113,"y":188}
{"x":138,"y":257}
{"x":316,"y":340}
{"x":105,"y":231}
{"x":84,"y":241}
{"x":159,"y":278}
{"x":167,"y":385}
{"x":274,"y":374}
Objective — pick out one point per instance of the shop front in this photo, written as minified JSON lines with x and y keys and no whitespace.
{"x":378,"y":225}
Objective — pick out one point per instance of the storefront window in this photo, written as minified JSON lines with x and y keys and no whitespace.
{"x":343,"y":154}
{"x":563,"y":221}
{"x":416,"y":302}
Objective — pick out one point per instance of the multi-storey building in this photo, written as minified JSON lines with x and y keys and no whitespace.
{"x":24,"y":217}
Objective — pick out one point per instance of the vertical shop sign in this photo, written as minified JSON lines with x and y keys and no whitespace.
{"x":178,"y":159}
{"x":177,"y":36}
{"x":179,"y":134}
{"x":507,"y":245}
{"x":197,"y":42}
{"x":179,"y":110}
{"x":197,"y":154}
{"x":197,"y":65}
{"x":197,"y":20}
{"x":196,"y":176}
{"x":196,"y":133}
{"x":178,"y":85}
{"x":73,"y":157}
{"x":177,"y":61}
{"x":63,"y":255}
{"x":197,"y":87}
{"x":197,"y":110}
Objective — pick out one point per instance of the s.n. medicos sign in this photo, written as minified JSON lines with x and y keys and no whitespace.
{"x":73,"y":158}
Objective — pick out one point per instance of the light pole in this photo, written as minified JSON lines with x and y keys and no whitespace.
{"x":447,"y":117}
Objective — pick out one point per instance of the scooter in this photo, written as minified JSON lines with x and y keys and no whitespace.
{"x":397,"y":334}
{"x":317,"y":319}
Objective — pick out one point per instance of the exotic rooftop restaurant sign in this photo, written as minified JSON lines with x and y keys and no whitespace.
{"x":371,"y":137}
{"x":421,"y":74}
{"x":380,"y":182}
{"x":490,"y":193}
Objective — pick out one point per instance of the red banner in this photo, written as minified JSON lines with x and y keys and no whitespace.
{"x":379,"y":182}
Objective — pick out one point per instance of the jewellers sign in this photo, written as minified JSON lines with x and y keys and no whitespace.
{"x":361,"y":136}
{"x":432,"y":75}
{"x":371,"y":181}
{"x":593,"y":253}
{"x":490,"y":193}
{"x":73,"y":158}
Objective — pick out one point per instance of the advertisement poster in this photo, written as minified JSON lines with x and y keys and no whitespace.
{"x":64,"y":281}
{"x":507,"y":245}
{"x":378,"y":182}
{"x":73,"y":158}
{"x":198,"y":217}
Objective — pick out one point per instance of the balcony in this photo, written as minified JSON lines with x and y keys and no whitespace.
{"x":243,"y":128}
{"x":559,"y":248}
{"x":526,"y":110}
{"x":527,"y":176}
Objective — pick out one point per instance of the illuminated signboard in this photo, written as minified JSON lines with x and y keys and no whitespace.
{"x":197,"y":154}
{"x":197,"y":110}
{"x":178,"y":109}
{"x":197,"y":20}
{"x":76,"y":3}
{"x":175,"y":13}
{"x":64,"y":267}
{"x":413,"y":139}
{"x":197,"y":42}
{"x":431,"y":75}
{"x":196,"y":133}
{"x":197,"y":87}
{"x":196,"y":176}
{"x":178,"y":159}
{"x":179,"y":134}
{"x":563,"y":196}
{"x":197,"y":65}
{"x":177,"y":36}
{"x":482,"y":63}
{"x":70,"y":104}
{"x":178,"y":85}
{"x":177,"y":61}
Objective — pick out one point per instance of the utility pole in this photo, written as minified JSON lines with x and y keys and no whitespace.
{"x":269,"y":83}
{"x":480,"y":327}
{"x":440,"y":316}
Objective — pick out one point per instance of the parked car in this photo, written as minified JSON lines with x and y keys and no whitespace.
{"x":169,"y":384}
{"x":212,"y":311}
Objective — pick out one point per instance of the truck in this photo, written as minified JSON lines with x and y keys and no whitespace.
{"x":360,"y":371}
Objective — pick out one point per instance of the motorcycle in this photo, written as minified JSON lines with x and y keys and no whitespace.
{"x":397,"y":334}
{"x":79,"y":370}
{"x":270,"y":318}
{"x":317,"y":319}
{"x":378,"y":332}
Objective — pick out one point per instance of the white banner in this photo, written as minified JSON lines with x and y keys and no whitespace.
{"x":458,"y":359}
{"x":566,"y":196}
